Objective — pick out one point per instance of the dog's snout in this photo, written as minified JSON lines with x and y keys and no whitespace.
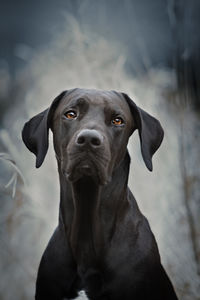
{"x":89,"y":137}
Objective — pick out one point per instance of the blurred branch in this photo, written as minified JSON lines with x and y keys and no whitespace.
{"x":16,"y":172}
{"x":184,"y":28}
{"x":186,"y":196}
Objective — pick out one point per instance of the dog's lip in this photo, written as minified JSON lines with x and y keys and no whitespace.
{"x":86,"y":171}
{"x":85,"y":168}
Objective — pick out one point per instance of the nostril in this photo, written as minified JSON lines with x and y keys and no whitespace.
{"x":90,"y":138}
{"x":81,"y":140}
{"x":95,"y":141}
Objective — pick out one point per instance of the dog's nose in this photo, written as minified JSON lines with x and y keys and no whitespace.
{"x":90,"y":137}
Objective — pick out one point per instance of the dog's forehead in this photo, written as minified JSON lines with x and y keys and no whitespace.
{"x":100,"y":98}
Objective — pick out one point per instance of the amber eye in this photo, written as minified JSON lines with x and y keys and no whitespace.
{"x":117,"y":121}
{"x":70,"y":114}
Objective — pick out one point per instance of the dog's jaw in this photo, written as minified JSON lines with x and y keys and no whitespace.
{"x":87,"y":165}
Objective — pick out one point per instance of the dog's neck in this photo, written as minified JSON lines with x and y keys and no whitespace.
{"x":86,"y":236}
{"x":89,"y":211}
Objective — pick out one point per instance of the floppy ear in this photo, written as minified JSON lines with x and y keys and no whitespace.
{"x":35,"y":133}
{"x":150,"y":132}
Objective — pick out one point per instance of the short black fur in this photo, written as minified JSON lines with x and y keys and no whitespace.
{"x":102,"y":244}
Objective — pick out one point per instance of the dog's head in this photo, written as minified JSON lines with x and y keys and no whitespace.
{"x":91,"y":129}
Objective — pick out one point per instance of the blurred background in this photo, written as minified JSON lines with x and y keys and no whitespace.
{"x":148,"y":49}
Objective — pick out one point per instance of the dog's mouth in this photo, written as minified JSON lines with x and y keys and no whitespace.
{"x":86,"y":165}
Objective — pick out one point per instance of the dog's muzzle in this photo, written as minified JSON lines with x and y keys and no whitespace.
{"x":88,"y":155}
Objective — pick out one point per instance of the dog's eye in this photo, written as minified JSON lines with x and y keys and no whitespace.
{"x":71,"y":114}
{"x":117,"y":121}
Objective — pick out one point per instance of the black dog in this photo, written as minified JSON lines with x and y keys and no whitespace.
{"x":103,"y":244}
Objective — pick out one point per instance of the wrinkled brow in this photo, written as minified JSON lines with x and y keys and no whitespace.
{"x":78,"y":102}
{"x":113,"y":110}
